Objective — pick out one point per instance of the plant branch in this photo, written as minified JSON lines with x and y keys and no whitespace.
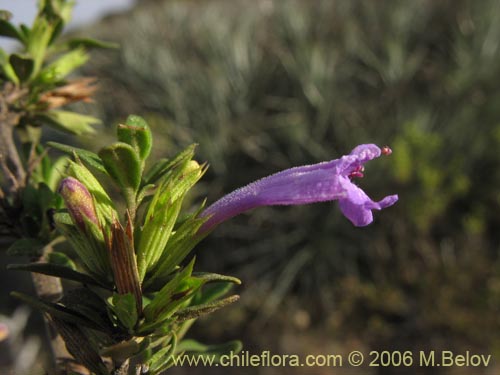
{"x":16,"y":177}
{"x":10,"y":161}
{"x":50,"y":289}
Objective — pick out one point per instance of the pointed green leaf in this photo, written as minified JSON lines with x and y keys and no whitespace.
{"x":90,"y":251}
{"x":123,"y":165}
{"x":156,"y":171}
{"x":137,"y":134}
{"x":65,"y":64}
{"x":68,"y":121}
{"x":60,"y":259}
{"x":57,"y":311}
{"x":56,"y":172}
{"x":162,"y":214}
{"x":60,"y":9}
{"x":89,"y":304}
{"x":124,"y":349}
{"x":211,"y":292}
{"x":9,"y":30}
{"x":172,"y":295}
{"x":58,"y":29}
{"x":193,"y":312}
{"x":31,"y":247}
{"x":58,"y":271}
{"x":25,"y":31}
{"x":90,"y":43}
{"x":155,"y":234}
{"x":162,"y":359}
{"x":178,"y":247}
{"x":145,"y":191}
{"x":193,"y":346}
{"x":23,"y":66}
{"x":162,"y":166}
{"x":123,"y":305}
{"x":211,"y":277}
{"x":39,"y":39}
{"x":87,"y":156}
{"x":6,"y":68}
{"x":73,"y":337}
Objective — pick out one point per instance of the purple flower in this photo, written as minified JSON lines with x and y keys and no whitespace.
{"x":320,"y":182}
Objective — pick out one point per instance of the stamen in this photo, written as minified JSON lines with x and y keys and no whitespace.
{"x":386,"y":150}
{"x":357,"y":172}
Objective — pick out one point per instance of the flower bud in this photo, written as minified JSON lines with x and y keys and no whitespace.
{"x":191,"y":166}
{"x":79,"y":202}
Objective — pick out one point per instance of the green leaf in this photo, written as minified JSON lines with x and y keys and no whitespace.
{"x":30,"y":247}
{"x":171,"y":296}
{"x":88,"y":157}
{"x":90,"y":43}
{"x":5,"y":15}
{"x":125,"y":349}
{"x":57,"y":8}
{"x":7,"y":68}
{"x":123,"y":305}
{"x":65,"y":64}
{"x":39,"y":39}
{"x":156,"y":233}
{"x":178,"y":247}
{"x":211,"y":292}
{"x":23,"y":66}
{"x":73,"y":336}
{"x":211,"y":277}
{"x":60,"y":259}
{"x":57,"y":270}
{"x":214,"y":351}
{"x":9,"y":30}
{"x":123,"y":165}
{"x":89,"y":304}
{"x":90,"y":247}
{"x":193,"y":312}
{"x":145,"y":191}
{"x":25,"y":31}
{"x":71,"y":122}
{"x":56,"y":172}
{"x":162,"y":359}
{"x":162,"y":166}
{"x":156,"y":171}
{"x":57,"y":311}
{"x":137,"y":134}
{"x":162,"y":213}
{"x":58,"y":28}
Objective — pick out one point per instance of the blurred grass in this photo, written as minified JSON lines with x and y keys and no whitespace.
{"x":266,"y":85}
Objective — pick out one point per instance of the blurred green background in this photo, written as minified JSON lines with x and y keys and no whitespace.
{"x":265,"y":85}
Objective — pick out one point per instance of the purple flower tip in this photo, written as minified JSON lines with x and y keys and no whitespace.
{"x":320,"y":182}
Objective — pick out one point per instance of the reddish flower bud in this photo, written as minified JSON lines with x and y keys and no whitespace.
{"x":79,"y":202}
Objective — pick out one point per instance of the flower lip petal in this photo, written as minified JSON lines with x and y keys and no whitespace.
{"x":386,"y":202}
{"x":359,"y":215}
{"x":357,"y":157}
{"x":366,"y":152}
